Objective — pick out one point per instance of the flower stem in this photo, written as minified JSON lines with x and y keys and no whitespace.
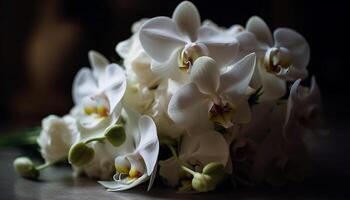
{"x":49,"y":164}
{"x":98,"y":139}
{"x":179,"y":162}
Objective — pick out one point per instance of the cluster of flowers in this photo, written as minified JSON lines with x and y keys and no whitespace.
{"x":225,"y":102}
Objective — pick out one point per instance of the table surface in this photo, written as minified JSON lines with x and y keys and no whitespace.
{"x":330,"y":181}
{"x":58,"y":183}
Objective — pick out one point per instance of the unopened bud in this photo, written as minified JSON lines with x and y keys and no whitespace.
{"x":203,"y":182}
{"x":212,"y":174}
{"x":213,"y":168}
{"x":80,"y":154}
{"x":116,"y":135}
{"x":26,"y":168}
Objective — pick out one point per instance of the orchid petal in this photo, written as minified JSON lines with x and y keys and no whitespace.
{"x":212,"y":148}
{"x":222,"y":47}
{"x":84,"y":85}
{"x":314,"y":93}
{"x":296,"y":44}
{"x":149,"y":145}
{"x":123,"y":48}
{"x":98,"y":62}
{"x":187,"y":18}
{"x":259,"y":28}
{"x":185,"y":106}
{"x":152,"y":177}
{"x":169,"y":171}
{"x":89,"y":122}
{"x":294,"y":73}
{"x":205,"y":74}
{"x":290,"y":122}
{"x":131,"y":126}
{"x":234,"y":83}
{"x":243,"y":113}
{"x":273,"y":87}
{"x":159,"y":37}
{"x":247,"y":44}
{"x":169,"y":68}
{"x":260,"y":124}
{"x":113,"y":82}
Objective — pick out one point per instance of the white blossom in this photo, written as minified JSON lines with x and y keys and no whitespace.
{"x":175,"y":43}
{"x":57,"y":136}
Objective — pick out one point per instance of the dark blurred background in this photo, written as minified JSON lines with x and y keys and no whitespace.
{"x":43,"y":43}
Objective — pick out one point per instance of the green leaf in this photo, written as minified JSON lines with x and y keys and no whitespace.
{"x":20,"y":138}
{"x":254,"y":98}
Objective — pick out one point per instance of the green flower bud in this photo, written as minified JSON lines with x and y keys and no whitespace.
{"x":212,"y":174}
{"x":203,"y":182}
{"x":80,"y":154}
{"x":26,"y":168}
{"x":213,"y":168}
{"x":116,"y":135}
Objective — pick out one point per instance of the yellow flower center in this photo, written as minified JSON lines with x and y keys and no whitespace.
{"x":100,"y":111}
{"x":132,"y":173}
{"x":121,"y":169}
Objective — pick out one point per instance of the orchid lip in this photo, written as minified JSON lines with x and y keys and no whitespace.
{"x":222,"y":114}
{"x":189,"y":54}
{"x":277,"y":60}
{"x":97,"y":106}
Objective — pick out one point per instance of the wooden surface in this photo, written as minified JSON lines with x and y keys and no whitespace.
{"x":58,"y":182}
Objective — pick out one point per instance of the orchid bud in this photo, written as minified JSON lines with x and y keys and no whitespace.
{"x":80,"y":154}
{"x":203,"y":182}
{"x":26,"y":168}
{"x":213,"y":168}
{"x":116,"y":135}
{"x":212,"y":174}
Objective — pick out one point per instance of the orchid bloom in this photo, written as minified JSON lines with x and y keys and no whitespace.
{"x":196,"y":151}
{"x":303,"y":110}
{"x":213,"y":97}
{"x":175,"y":43}
{"x":57,"y":136}
{"x":97,"y":94}
{"x":233,"y":30}
{"x":137,"y":63}
{"x":281,"y":57}
{"x":137,"y":166}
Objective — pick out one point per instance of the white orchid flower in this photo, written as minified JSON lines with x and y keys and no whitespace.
{"x":159,"y":111}
{"x":281,"y":57}
{"x":196,"y":151}
{"x":277,"y":160}
{"x":102,"y":165}
{"x":57,"y":136}
{"x":136,"y":166}
{"x":137,"y":63}
{"x":232,"y":30}
{"x":175,"y":43}
{"x":213,"y":97}
{"x":304,"y":118}
{"x":246,"y":40}
{"x":97,"y":94}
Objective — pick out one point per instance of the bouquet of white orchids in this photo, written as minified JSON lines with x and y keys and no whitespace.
{"x":194,"y":103}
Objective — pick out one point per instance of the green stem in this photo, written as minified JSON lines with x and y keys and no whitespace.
{"x":49,"y":164}
{"x":98,"y":139}
{"x":179,"y":162}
